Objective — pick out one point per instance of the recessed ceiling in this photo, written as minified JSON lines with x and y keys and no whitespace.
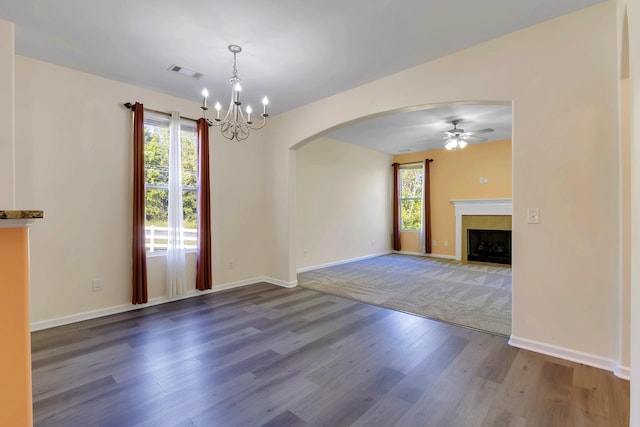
{"x":294,"y":51}
{"x":423,"y":130}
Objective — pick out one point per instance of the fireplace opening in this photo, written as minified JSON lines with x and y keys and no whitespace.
{"x":489,"y":246}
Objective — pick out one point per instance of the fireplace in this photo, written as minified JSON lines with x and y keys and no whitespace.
{"x":489,"y":246}
{"x":486,"y":214}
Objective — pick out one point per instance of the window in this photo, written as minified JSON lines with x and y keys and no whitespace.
{"x":156,"y":162}
{"x":411,"y":197}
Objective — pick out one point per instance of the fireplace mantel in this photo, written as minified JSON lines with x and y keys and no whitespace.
{"x":477,"y":207}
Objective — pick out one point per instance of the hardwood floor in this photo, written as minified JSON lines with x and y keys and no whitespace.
{"x":268,"y":356}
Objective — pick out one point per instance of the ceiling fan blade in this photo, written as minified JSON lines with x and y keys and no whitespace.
{"x":473,"y":138}
{"x":487,"y":130}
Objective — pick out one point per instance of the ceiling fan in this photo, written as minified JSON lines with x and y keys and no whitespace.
{"x":457,"y":138}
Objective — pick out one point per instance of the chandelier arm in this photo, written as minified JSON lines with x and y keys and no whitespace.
{"x":232,"y":105}
{"x":241,"y":136}
{"x":260,"y":126}
{"x":237,"y":131}
{"x":237,"y":115}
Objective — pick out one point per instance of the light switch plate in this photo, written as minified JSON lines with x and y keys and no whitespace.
{"x":533,"y":215}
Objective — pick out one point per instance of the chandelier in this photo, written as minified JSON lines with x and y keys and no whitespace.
{"x":235,"y":124}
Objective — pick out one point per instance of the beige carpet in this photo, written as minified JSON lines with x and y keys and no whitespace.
{"x":471,"y":295}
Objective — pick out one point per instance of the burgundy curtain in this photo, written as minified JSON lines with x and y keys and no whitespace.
{"x":396,"y":207}
{"x":138,"y":249}
{"x":203,"y":272}
{"x":426,"y":188}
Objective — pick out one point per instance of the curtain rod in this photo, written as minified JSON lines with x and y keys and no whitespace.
{"x":130,"y":106}
{"x":411,"y":163}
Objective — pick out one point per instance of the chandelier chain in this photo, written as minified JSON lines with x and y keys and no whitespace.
{"x":235,"y":67}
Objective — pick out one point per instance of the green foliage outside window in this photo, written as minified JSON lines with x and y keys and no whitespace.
{"x":411,"y":214}
{"x":156,"y":158}
{"x":189,"y":156}
{"x":411,"y":198}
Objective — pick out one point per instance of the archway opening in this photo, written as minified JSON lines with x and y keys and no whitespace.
{"x":344,"y":191}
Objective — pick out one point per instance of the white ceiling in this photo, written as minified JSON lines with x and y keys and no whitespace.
{"x":423,"y":130}
{"x":294,"y":51}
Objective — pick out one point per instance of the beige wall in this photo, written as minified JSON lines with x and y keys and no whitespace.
{"x":7,"y":140}
{"x":456,"y":175}
{"x":74,"y":162}
{"x":625,"y":231}
{"x":631,"y":9}
{"x":561,"y":77}
{"x":280,"y":206}
{"x":342,"y":202}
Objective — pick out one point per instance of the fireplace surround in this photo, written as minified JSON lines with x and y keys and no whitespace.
{"x":479,"y":214}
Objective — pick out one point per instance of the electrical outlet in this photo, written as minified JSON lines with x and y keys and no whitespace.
{"x":484,"y":180}
{"x":533,"y":216}
{"x":446,"y":243}
{"x":433,"y":242}
{"x":372,"y":243}
{"x":305,"y":253}
{"x":231,"y":264}
{"x":96,"y":285}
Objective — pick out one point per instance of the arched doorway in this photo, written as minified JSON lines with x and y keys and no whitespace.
{"x":343,"y":197}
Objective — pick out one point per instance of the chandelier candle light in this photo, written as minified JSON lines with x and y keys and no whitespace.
{"x":234,"y":125}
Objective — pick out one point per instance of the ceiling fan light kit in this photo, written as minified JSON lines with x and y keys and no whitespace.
{"x":457,"y":138}
{"x":454,"y":143}
{"x":234,"y":124}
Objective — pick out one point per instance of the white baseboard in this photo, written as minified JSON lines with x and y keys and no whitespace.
{"x":279,"y":282}
{"x":93,"y":314}
{"x":572,"y":355}
{"x":425,"y":255}
{"x":623,"y":372}
{"x":344,"y":261}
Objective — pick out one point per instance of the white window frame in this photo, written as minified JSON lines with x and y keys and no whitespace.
{"x":419,"y":198}
{"x":158,"y":119}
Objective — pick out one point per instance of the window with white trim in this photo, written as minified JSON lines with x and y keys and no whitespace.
{"x":156,"y":162}
{"x":411,"y":177}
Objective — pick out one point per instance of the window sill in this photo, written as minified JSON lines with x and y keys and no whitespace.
{"x":410,"y":231}
{"x":157,"y":254}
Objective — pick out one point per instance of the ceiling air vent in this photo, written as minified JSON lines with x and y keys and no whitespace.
{"x":185,"y":71}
